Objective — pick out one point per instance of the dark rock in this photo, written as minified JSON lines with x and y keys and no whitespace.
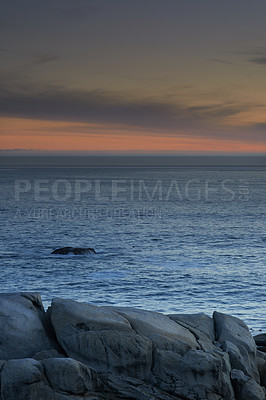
{"x":24,"y":379}
{"x":68,"y":375}
{"x":200,"y":321}
{"x":74,"y":250}
{"x":245,"y":387}
{"x":200,"y":325}
{"x":236,"y":340}
{"x":81,"y":351}
{"x":142,"y":345}
{"x":24,"y":329}
{"x":197,"y":375}
{"x":100,"y":338}
{"x":44,"y":354}
{"x":128,"y":388}
{"x":51,"y":379}
{"x":260,"y":341}
{"x":261,"y":363}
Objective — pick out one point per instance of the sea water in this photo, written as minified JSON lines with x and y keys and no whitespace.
{"x":174,"y":240}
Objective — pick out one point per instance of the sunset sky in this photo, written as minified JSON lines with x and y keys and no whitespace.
{"x":142,"y":76}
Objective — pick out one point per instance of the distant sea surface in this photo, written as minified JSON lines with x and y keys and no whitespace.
{"x":174,"y":240}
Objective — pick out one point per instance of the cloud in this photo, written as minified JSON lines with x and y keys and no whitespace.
{"x":255,"y":51}
{"x":35,"y":58}
{"x":40,"y":59}
{"x":260,"y":126}
{"x":53,"y":103}
{"x":16,"y":150}
{"x":73,"y":10}
{"x":258,"y":55}
{"x":220,"y":61}
{"x":109,"y":108}
{"x":258,"y":60}
{"x":91,"y":106}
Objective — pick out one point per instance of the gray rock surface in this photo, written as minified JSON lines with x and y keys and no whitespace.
{"x":23,"y":328}
{"x":52,"y":379}
{"x":245,"y":387}
{"x":200,"y":322}
{"x":235,"y":339}
{"x":261,"y":363}
{"x":100,"y":338}
{"x":115,"y":353}
{"x":24,"y":379}
{"x":44,"y":354}
{"x":128,"y":388}
{"x":68,"y":375}
{"x":140,"y":344}
{"x":164,"y":333}
{"x":260,"y":341}
{"x":197,"y":375}
{"x":200,"y":325}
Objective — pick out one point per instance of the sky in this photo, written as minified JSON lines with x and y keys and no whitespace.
{"x":133,"y":77}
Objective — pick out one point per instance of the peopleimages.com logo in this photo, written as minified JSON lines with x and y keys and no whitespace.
{"x":122,"y":190}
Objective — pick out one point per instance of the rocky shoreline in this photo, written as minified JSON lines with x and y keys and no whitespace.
{"x":80,"y":351}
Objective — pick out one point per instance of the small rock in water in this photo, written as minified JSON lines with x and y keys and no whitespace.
{"x":74,"y":250}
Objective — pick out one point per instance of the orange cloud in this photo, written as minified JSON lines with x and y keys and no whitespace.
{"x":80,"y":137}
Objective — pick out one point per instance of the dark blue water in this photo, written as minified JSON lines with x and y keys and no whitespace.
{"x":167,"y":239}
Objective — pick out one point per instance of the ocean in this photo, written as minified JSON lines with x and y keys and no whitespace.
{"x":174,"y":240}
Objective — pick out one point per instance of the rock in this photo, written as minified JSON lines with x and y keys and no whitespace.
{"x":197,"y":375}
{"x":53,"y":379}
{"x":68,"y":375}
{"x":100,"y":338}
{"x":24,"y":379}
{"x":128,"y":388}
{"x":261,"y":364}
{"x":44,"y":354}
{"x":261,"y":360}
{"x":200,"y":321}
{"x":74,"y":250}
{"x":164,"y":333}
{"x":2,"y":363}
{"x":23,"y":326}
{"x":142,"y":345}
{"x":263,"y":376}
{"x":235,"y":338}
{"x":116,"y":353}
{"x":200,"y":325}
{"x":245,"y":387}
{"x":260,"y":341}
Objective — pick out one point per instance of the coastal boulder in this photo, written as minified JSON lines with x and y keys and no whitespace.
{"x":100,"y":338}
{"x":245,"y":387}
{"x":79,"y":350}
{"x":128,"y":344}
{"x":260,"y":341}
{"x":235,"y":339}
{"x":24,"y":379}
{"x":52,"y":379}
{"x":74,"y":250}
{"x":23,"y":327}
{"x":197,"y":375}
{"x":200,"y":321}
{"x":68,"y":375}
{"x":164,"y":333}
{"x":261,"y":363}
{"x":200,"y":325}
